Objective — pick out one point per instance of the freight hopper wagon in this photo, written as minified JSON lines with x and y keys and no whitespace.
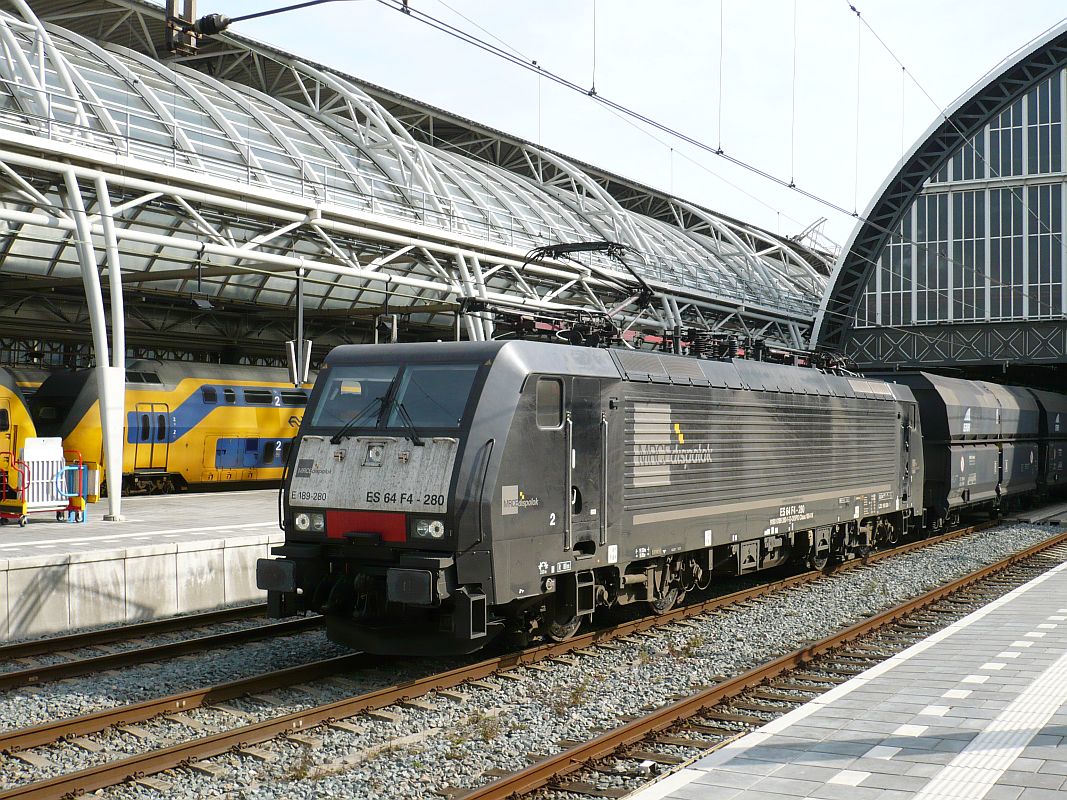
{"x":982,"y":443}
{"x":440,"y":494}
{"x":1052,"y":455}
{"x":185,"y":424}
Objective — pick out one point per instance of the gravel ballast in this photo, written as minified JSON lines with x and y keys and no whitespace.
{"x":420,"y":750}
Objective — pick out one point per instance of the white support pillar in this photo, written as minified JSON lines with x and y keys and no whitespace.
{"x":111,"y":401}
{"x":115,"y":375}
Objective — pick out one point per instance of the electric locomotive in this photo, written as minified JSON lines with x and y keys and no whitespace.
{"x":440,"y":494}
{"x":186,"y":423}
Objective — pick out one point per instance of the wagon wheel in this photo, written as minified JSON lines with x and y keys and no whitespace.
{"x":60,"y":516}
{"x":665,"y":603}
{"x":559,"y":631}
{"x":23,"y":520}
{"x":818,"y":561}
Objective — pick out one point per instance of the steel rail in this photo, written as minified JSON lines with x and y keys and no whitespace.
{"x":15,"y":741}
{"x":73,"y":641}
{"x":133,"y":767}
{"x":84,"y":666}
{"x":543,"y":773}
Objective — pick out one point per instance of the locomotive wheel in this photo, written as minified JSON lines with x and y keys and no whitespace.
{"x":559,"y":631}
{"x":665,"y":603}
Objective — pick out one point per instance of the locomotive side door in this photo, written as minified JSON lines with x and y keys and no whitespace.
{"x":587,"y":418}
{"x":152,"y":439}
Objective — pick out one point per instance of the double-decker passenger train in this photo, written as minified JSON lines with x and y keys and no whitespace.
{"x":186,"y":423}
{"x":440,"y":494}
{"x":16,"y":427}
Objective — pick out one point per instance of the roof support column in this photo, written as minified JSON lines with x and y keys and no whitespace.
{"x":110,"y":381}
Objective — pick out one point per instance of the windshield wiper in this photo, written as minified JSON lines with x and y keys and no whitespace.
{"x":410,"y":425}
{"x":348,"y":426}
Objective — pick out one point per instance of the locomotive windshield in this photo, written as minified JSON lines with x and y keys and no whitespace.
{"x":430,"y":396}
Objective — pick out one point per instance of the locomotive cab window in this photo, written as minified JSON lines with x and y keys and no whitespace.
{"x":549,"y":402}
{"x":374,"y":396}
{"x":5,"y":420}
{"x":432,"y":395}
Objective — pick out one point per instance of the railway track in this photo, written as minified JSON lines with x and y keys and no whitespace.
{"x":102,"y":636}
{"x":295,"y":725}
{"x":40,"y":673}
{"x":709,"y":719}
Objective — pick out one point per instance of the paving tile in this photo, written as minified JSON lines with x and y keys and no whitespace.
{"x":698,"y":791}
{"x":881,"y":765}
{"x":1040,"y":794}
{"x":1024,"y":764}
{"x":906,"y":783}
{"x":1053,"y":767}
{"x":793,"y":787}
{"x":1034,"y":780}
{"x":1003,"y":793}
{"x":922,"y":770}
{"x":727,"y":779}
{"x":777,"y":755}
{"x":806,"y":772}
{"x":834,"y":792}
{"x":855,"y":749}
{"x":746,"y":765}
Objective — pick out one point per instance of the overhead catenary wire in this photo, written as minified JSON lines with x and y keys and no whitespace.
{"x":474,"y":41}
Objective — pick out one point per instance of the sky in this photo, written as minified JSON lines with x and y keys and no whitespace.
{"x":800,"y":89}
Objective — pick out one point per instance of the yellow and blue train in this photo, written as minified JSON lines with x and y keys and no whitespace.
{"x":16,"y":426}
{"x":29,"y":378}
{"x":186,"y":423}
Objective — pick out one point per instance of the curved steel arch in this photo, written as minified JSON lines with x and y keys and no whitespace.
{"x":975,"y":109}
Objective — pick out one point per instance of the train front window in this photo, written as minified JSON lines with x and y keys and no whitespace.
{"x":352,"y":393}
{"x":433,"y":395}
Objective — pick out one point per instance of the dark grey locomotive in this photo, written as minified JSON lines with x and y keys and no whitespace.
{"x":442,"y":493}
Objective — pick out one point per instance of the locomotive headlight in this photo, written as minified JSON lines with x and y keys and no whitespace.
{"x":305,"y":521}
{"x":429,"y":529}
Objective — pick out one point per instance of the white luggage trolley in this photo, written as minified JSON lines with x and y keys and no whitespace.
{"x":45,"y":484}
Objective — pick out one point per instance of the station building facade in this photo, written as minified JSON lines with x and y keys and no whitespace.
{"x":959,"y":260}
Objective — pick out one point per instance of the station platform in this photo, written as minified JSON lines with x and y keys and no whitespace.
{"x":975,"y":711}
{"x":173,"y":554}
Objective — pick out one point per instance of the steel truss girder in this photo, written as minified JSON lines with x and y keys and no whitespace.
{"x":834,"y":325}
{"x":960,"y":345}
{"x":400,"y":122}
{"x":198,"y":237}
